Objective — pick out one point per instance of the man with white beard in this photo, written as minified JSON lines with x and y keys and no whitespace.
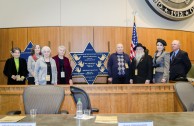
{"x":141,"y":66}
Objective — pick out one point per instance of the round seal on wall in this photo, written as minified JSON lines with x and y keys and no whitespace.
{"x":173,"y":9}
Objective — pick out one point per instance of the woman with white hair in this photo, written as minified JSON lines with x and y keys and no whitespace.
{"x":45,"y":68}
{"x":63,"y":67}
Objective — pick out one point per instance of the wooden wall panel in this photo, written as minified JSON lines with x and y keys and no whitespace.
{"x":45,"y":35}
{"x":5,"y":44}
{"x":191,"y":45}
{"x":17,"y":36}
{"x":148,"y":37}
{"x":76,"y":38}
{"x":3,"y":78}
{"x":113,"y":35}
{"x":105,"y":40}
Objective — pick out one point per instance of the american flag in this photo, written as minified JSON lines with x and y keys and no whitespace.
{"x":134,"y":41}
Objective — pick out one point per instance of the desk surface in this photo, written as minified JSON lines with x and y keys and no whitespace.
{"x":159,"y":119}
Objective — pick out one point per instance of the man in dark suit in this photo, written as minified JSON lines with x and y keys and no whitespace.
{"x":141,"y":66}
{"x":180,"y":63}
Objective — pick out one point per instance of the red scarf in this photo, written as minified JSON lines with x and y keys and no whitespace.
{"x":34,"y":57}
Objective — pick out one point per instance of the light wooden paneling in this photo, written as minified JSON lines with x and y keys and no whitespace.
{"x":5,"y":44}
{"x":106,"y":39}
{"x":75,"y":39}
{"x":148,"y":37}
{"x":141,"y":98}
{"x":3,"y":79}
{"x":113,"y":35}
{"x":17,"y":36}
{"x":190,"y":46}
{"x":45,"y":35}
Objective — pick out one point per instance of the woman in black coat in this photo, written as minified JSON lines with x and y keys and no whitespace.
{"x":15,"y":68}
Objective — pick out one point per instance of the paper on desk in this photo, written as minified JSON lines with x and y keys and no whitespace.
{"x":11,"y":118}
{"x":106,"y":119}
{"x":85,"y":117}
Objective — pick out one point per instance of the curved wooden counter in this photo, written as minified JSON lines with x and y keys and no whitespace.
{"x":109,"y":98}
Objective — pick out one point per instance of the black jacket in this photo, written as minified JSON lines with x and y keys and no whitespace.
{"x":10,"y":69}
{"x":180,"y":66}
{"x":144,"y":69}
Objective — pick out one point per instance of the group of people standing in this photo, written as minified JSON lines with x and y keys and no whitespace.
{"x":143,"y":68}
{"x":44,"y":69}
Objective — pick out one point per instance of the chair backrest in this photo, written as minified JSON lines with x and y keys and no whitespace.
{"x":80,"y":93}
{"x":190,"y":74}
{"x":46,"y":99}
{"x":185,"y":93}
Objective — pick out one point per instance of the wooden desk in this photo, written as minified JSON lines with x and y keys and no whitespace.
{"x":119,"y":98}
{"x":159,"y":119}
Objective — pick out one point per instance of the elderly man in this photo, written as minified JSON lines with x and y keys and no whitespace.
{"x":119,"y":67}
{"x":179,"y":63}
{"x":141,"y":66}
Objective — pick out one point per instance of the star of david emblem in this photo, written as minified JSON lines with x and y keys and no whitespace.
{"x":26,"y":53}
{"x":89,"y":64}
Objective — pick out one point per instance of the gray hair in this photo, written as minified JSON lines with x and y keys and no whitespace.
{"x":61,"y":47}
{"x":44,"y":48}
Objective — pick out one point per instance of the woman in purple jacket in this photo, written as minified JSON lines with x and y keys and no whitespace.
{"x":64,"y":69}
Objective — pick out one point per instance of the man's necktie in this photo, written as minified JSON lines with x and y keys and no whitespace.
{"x":173,"y":56}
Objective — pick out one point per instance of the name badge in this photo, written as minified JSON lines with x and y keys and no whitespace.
{"x":62,"y":74}
{"x":48,"y":77}
{"x":154,"y":71}
{"x":126,"y":65}
{"x":136,"y":71}
{"x":17,"y":77}
{"x":18,"y":124}
{"x":136,"y":123}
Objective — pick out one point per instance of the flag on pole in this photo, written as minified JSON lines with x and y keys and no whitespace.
{"x":134,"y":41}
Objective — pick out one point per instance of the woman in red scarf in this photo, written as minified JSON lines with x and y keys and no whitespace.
{"x":35,"y":55}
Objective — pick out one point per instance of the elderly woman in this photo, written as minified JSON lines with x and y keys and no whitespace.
{"x":63,"y":67}
{"x":45,"y":68}
{"x":35,"y":55}
{"x":161,"y":63}
{"x":15,"y":68}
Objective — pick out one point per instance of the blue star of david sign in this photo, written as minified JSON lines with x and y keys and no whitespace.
{"x":89,"y":64}
{"x":26,"y":53}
